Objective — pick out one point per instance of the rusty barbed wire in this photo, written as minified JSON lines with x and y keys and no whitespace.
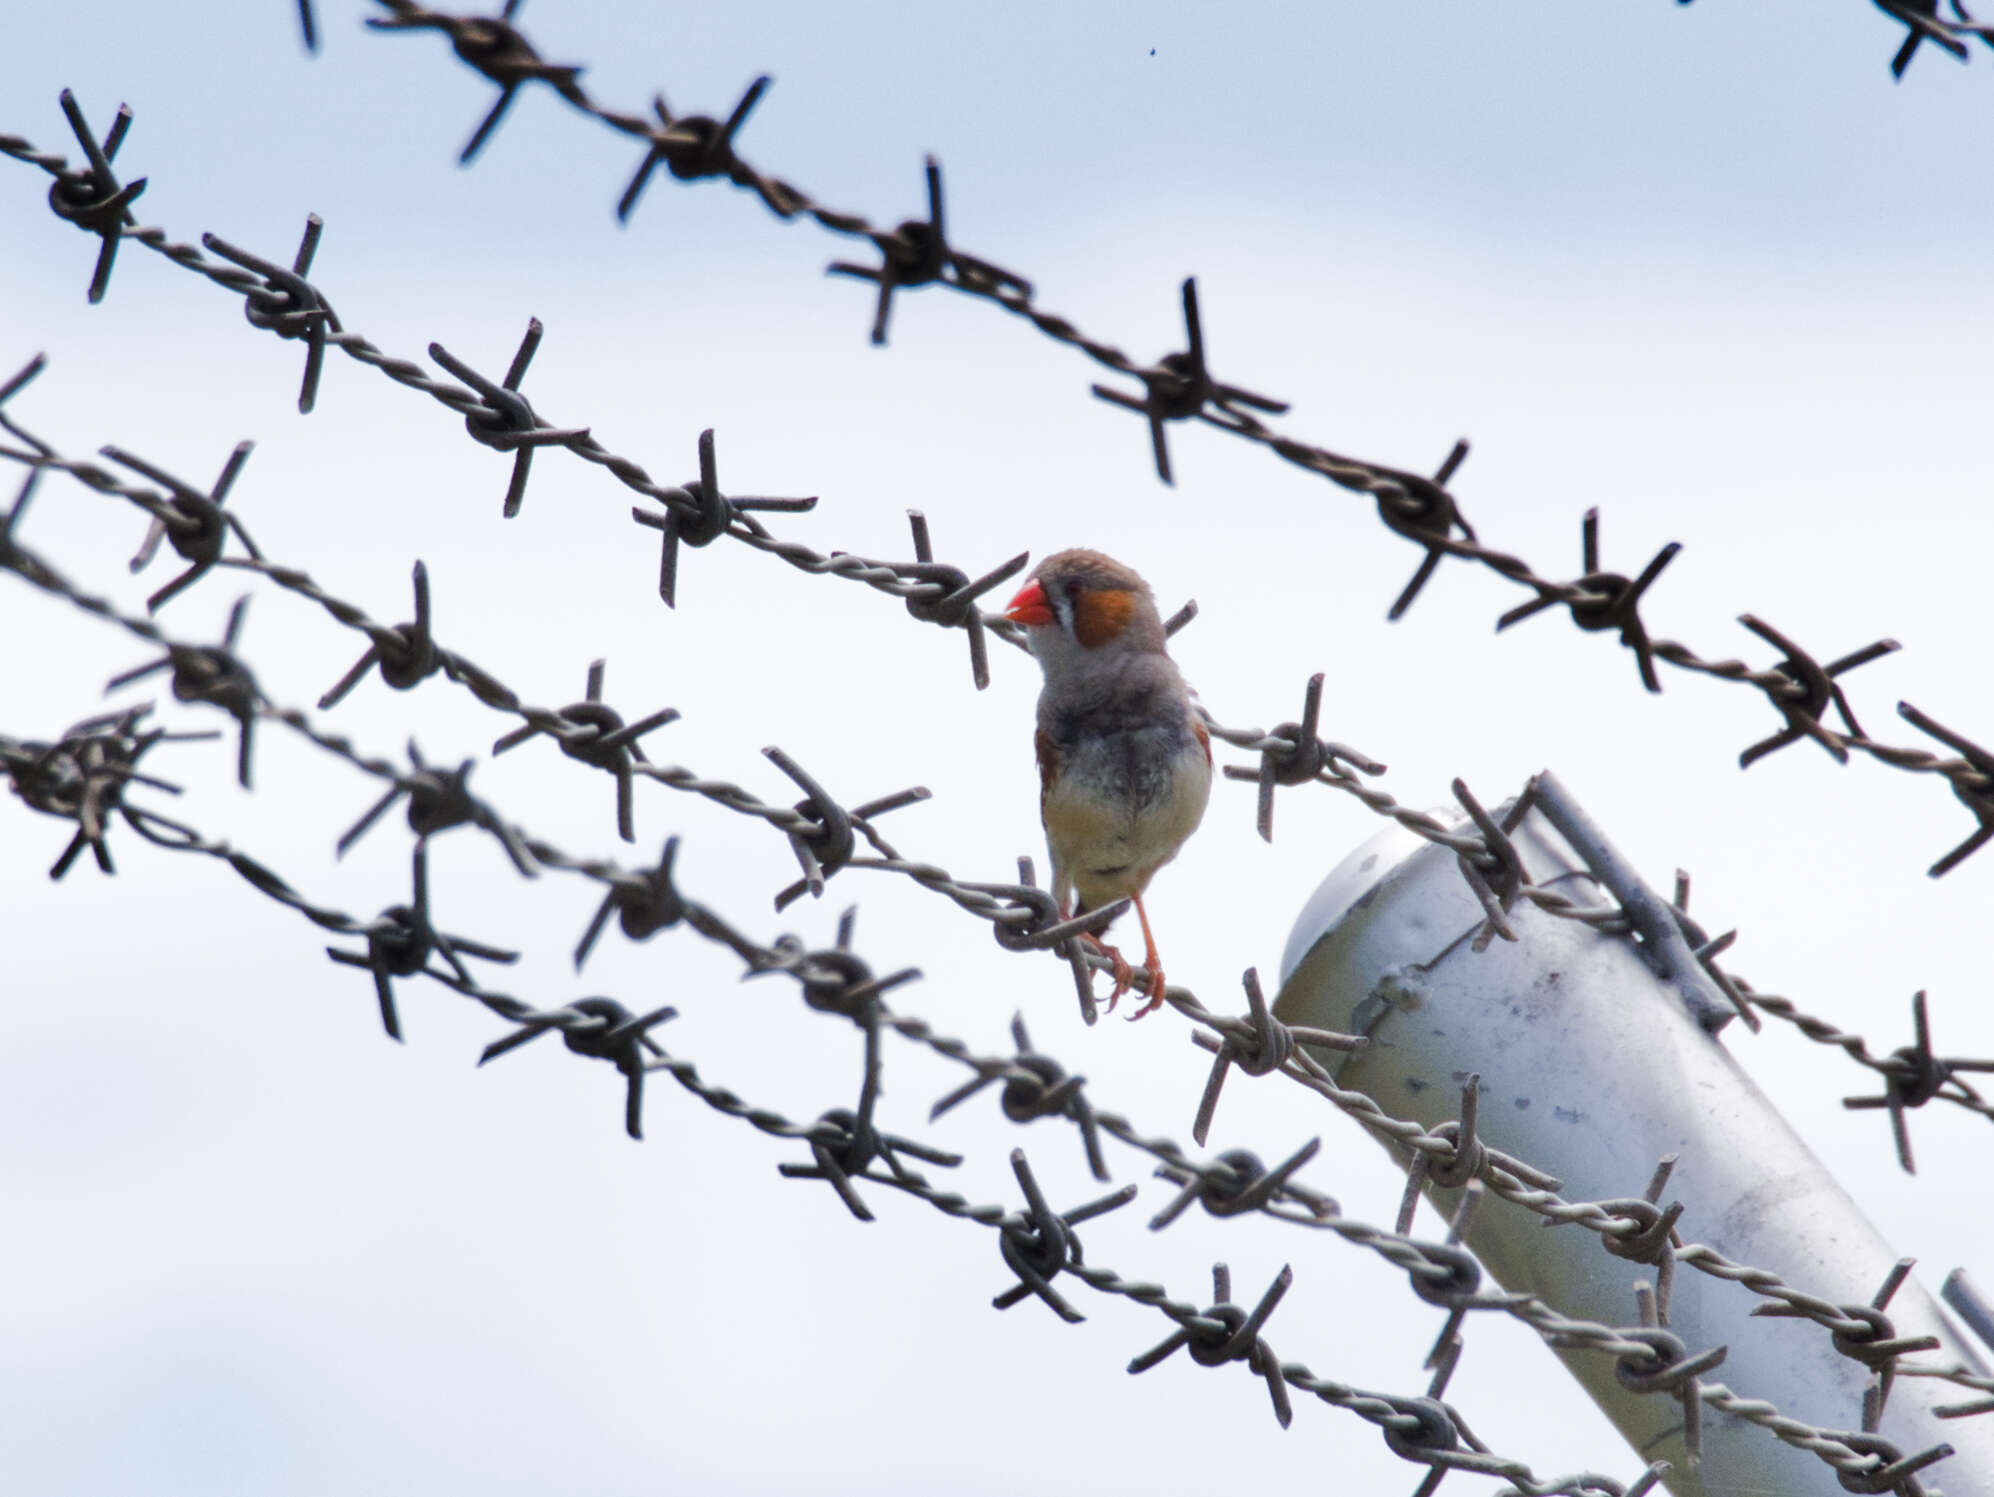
{"x":400,"y":943}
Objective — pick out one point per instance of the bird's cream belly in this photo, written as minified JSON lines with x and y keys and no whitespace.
{"x":1108,"y":853}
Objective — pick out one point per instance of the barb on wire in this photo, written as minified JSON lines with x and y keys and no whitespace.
{"x":1259,"y":1045}
{"x":1041,"y":1245}
{"x":211,"y":674}
{"x":1606,"y":600}
{"x":855,"y":1143}
{"x":287,"y":304}
{"x":956,"y":607}
{"x":407,"y":654}
{"x":711,"y":514}
{"x":822,"y":853}
{"x":1922,"y":23}
{"x":1425,"y":513}
{"x":94,"y":200}
{"x":1179,"y":386}
{"x":83,"y":775}
{"x":1237,"y":1339}
{"x":1810,"y":689}
{"x":1913,"y":1076}
{"x":690,"y":147}
{"x":494,"y":46}
{"x":400,"y":942}
{"x":1236,"y":1183}
{"x":597,"y":736}
{"x":617,"y":1036}
{"x":194,"y":522}
{"x":1977,"y":798}
{"x":1292,"y":755}
{"x":506,"y":420}
{"x":1034,"y":1086}
{"x":438,"y":802}
{"x":918,"y":253}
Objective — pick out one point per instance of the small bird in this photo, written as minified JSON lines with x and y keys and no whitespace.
{"x":1125,"y":763}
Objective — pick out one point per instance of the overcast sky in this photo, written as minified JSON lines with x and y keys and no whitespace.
{"x":1708,"y":269}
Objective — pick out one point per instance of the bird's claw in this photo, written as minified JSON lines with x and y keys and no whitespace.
{"x":1124,"y":974}
{"x":1155,"y":989}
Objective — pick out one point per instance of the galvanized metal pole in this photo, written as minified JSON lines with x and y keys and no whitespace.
{"x":1598,"y":1057}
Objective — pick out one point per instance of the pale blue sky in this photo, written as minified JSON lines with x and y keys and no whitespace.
{"x":1707,"y":268}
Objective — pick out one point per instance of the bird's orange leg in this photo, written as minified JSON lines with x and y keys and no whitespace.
{"x":1149,"y":960}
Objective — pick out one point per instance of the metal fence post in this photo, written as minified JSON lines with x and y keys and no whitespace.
{"x":1593,"y":1053}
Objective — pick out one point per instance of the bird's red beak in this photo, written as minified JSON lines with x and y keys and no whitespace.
{"x":1029,"y":607}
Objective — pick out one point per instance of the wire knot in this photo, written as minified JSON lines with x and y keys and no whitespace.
{"x":1225,"y":1332}
{"x":1035,"y":1086}
{"x":94,"y":200}
{"x":1602,"y":600}
{"x":698,"y":513}
{"x":1419,"y":1428}
{"x":1449,"y":1276}
{"x":917,"y":253}
{"x":194,"y":523}
{"x":1293,"y":755}
{"x":1041,"y":911}
{"x":1648,"y":1238}
{"x":286,"y":303}
{"x":606,"y":1031}
{"x":594,"y":733}
{"x":837,"y":982}
{"x":213,"y":675}
{"x":1666,"y":1366}
{"x":494,"y":47}
{"x":1041,"y":1244}
{"x":82,"y":777}
{"x":1875,"y":1342}
{"x":1179,"y":386}
{"x":504,"y":419}
{"x":1421,"y":510}
{"x":399,"y":944}
{"x":1972,"y":784}
{"x":1893,"y":1472}
{"x":1802,"y":693}
{"x":1912,"y":1076}
{"x":1469,"y":1157}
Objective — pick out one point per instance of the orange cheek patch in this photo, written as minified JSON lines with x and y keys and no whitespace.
{"x":1101,"y":615}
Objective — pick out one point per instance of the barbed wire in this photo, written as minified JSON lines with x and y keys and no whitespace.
{"x":1800,"y":688}
{"x":822,"y":832}
{"x":401,"y":942}
{"x":845,"y":1145}
{"x":1921,"y":20}
{"x":1180,"y":387}
{"x":82,"y":776}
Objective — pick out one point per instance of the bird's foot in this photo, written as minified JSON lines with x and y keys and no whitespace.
{"x":1155,"y":989}
{"x":1124,"y":974}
